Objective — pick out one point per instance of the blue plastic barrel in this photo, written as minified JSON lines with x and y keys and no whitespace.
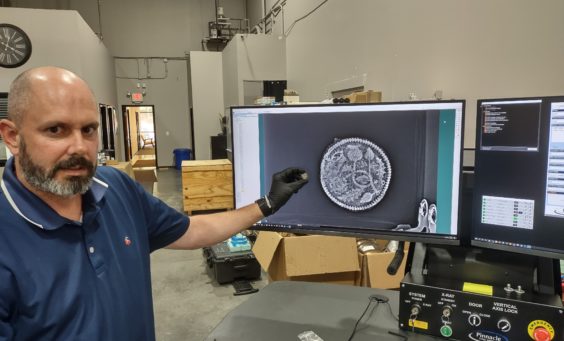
{"x":181,"y":154}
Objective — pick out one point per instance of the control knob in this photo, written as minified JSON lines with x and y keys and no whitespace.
{"x":475,"y":320}
{"x":504,"y":325}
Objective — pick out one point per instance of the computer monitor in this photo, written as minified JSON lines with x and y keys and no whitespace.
{"x":519,"y":176}
{"x":386,"y":170}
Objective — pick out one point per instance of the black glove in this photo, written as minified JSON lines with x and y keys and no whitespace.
{"x":284,"y":184}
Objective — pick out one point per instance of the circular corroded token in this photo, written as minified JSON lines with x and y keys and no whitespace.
{"x":355,"y":173}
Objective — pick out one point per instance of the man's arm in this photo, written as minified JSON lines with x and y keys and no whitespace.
{"x":210,"y":229}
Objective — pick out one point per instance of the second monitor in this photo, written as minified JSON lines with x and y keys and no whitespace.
{"x":519,"y":176}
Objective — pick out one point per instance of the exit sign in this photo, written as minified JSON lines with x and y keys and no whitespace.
{"x":136,"y":97}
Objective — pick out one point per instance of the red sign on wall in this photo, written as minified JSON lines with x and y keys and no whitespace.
{"x":136,"y":97}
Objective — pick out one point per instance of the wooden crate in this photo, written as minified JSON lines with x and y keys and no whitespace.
{"x":207,"y":185}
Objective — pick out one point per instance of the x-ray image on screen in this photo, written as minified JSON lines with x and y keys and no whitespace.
{"x":355,"y":173}
{"x":369,"y":166}
{"x":301,"y":140}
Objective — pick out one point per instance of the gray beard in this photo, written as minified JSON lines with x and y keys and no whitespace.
{"x":45,"y":181}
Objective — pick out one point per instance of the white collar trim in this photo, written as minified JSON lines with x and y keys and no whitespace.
{"x":15,"y":207}
{"x":100,"y":182}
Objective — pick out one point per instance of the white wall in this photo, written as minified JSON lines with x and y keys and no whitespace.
{"x":63,"y":39}
{"x":207,"y":95}
{"x":468,"y":49}
{"x":132,"y":27}
{"x":255,"y":11}
{"x":230,"y":62}
{"x":147,"y":28}
{"x":248,"y":58}
{"x":169,"y":96}
{"x":168,"y":28}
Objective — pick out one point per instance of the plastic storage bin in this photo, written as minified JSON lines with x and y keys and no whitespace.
{"x":181,"y":154}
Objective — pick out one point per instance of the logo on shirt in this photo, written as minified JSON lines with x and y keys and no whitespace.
{"x":127,"y":241}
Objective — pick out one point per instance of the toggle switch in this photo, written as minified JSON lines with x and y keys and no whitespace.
{"x":447,"y":311}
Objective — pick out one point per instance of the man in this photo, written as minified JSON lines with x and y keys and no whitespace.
{"x":75,"y":239}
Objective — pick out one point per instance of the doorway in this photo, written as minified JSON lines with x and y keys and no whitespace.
{"x":140,"y":137}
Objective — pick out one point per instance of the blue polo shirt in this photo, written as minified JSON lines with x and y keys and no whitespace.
{"x":67,"y":280}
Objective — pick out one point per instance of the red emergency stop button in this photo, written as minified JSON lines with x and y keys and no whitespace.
{"x":541,"y":334}
{"x":540,"y":330}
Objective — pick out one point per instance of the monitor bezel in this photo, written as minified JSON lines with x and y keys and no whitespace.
{"x":438,"y":239}
{"x":537,"y":251}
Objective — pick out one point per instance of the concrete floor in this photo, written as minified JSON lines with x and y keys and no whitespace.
{"x":188,"y":303}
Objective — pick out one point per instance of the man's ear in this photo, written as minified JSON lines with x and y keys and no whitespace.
{"x":10,"y":135}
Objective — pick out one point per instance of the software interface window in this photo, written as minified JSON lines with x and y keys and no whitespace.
{"x":370,"y":166}
{"x":554,"y":194}
{"x":511,"y":126}
{"x":519,"y":194}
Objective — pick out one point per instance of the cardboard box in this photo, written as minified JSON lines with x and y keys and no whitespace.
{"x":122,"y":166}
{"x":307,"y":258}
{"x":291,"y":99}
{"x":145,"y":174}
{"x":143,"y":161}
{"x":374,"y":265}
{"x":369,"y":96}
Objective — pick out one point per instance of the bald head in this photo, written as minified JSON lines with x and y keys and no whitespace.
{"x":42,"y":83}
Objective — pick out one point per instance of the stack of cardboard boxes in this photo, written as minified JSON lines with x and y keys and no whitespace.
{"x":328,"y":259}
{"x":374,"y":263}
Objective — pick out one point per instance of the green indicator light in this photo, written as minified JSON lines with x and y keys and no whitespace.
{"x":446,"y":331}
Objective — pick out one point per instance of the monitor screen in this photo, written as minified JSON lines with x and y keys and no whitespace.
{"x":387,"y":170}
{"x":519,"y":176}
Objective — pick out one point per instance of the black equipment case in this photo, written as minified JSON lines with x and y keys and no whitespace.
{"x":227,"y":266}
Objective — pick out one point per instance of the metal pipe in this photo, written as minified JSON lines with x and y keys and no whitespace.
{"x":216,"y":4}
{"x":100,"y":22}
{"x":147,"y":60}
{"x":283,"y":29}
{"x":276,"y":8}
{"x":169,"y":58}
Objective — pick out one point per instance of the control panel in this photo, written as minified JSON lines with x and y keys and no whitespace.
{"x":451,"y":313}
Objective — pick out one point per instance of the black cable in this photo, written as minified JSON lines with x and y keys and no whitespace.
{"x":378,"y":299}
{"x":397,"y":260}
{"x":286,"y":34}
{"x":361,"y":316}
{"x":391,"y":312}
{"x":398,"y":335}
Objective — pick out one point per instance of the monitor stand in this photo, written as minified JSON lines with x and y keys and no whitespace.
{"x":479,"y":294}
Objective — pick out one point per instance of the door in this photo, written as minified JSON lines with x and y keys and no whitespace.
{"x":140,"y":136}
{"x":126,"y":136}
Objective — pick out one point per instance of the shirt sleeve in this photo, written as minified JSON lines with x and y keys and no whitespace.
{"x":7,"y":303}
{"x":164,"y":223}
